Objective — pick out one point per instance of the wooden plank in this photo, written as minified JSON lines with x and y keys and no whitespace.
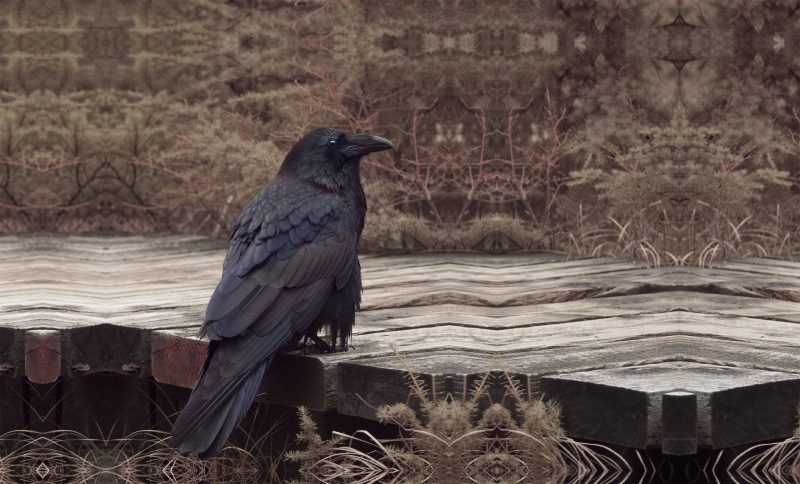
{"x":104,"y":403}
{"x":159,"y":281}
{"x":450,"y":314}
{"x":98,"y":246}
{"x":394,"y":318}
{"x":576,"y":333}
{"x":13,"y":411}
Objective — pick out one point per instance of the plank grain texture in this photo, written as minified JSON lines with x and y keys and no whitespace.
{"x":132,"y":305}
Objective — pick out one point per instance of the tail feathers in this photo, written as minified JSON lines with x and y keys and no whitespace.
{"x":240,"y":404}
{"x":205,"y":433}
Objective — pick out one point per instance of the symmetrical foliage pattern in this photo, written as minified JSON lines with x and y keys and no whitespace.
{"x":457,"y":442}
{"x":519,"y":125}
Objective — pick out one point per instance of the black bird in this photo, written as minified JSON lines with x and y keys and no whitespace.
{"x":291,"y":269}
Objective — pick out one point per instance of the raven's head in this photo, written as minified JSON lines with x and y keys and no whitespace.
{"x":330,"y":157}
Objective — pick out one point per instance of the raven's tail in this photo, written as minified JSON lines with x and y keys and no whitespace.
{"x":206,"y":422}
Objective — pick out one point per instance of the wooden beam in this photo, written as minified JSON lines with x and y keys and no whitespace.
{"x":679,"y":423}
{"x":732,"y":406}
{"x":42,"y":355}
{"x":76,"y":306}
{"x":176,"y":357}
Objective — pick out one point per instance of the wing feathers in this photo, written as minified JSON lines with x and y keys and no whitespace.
{"x":228,"y":283}
{"x":309,"y":272}
{"x":276,"y":242}
{"x":235,"y":322}
{"x":293,"y":266}
{"x":260,"y":254}
{"x":344,"y":275}
{"x":221,"y":304}
{"x":293,"y":300}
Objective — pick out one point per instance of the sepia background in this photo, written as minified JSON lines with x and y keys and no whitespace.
{"x":662,"y":130}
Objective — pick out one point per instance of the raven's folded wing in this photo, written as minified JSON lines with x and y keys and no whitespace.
{"x":273,"y":247}
{"x":288,"y":252}
{"x":234,"y":366}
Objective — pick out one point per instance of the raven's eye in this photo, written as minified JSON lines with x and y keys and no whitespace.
{"x":332,"y":143}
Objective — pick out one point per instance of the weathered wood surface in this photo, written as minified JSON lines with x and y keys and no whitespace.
{"x":81,"y":305}
{"x":732,"y":405}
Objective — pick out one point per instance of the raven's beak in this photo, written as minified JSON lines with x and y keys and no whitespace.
{"x":362,"y":144}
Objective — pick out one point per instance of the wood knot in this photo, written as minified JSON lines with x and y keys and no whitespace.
{"x":131,"y":367}
{"x":80,"y":367}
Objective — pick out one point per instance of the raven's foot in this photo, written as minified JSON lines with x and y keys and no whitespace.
{"x":294,"y":345}
{"x":313,"y":345}
{"x":341,"y":347}
{"x":318,"y":345}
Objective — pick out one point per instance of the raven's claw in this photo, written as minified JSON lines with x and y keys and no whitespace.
{"x":318,"y":345}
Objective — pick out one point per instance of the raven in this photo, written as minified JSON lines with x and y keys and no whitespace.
{"x":290,"y":270}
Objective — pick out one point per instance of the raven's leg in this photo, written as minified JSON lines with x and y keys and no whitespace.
{"x":331,"y":349}
{"x":307,"y":347}
{"x":343,"y":346}
{"x":294,"y":344}
{"x":322,"y":344}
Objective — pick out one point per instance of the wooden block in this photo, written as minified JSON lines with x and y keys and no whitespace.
{"x":365,"y":384}
{"x":42,"y":355}
{"x":679,"y":423}
{"x":753,"y":413}
{"x":359,"y":383}
{"x":294,"y":380}
{"x":733,"y":406}
{"x":106,"y":348}
{"x":600,"y":412}
{"x":176,"y":358}
{"x":12,"y":352}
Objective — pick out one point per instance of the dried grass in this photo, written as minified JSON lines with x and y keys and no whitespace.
{"x":775,"y":463}
{"x":451,"y":441}
{"x":142,"y":457}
